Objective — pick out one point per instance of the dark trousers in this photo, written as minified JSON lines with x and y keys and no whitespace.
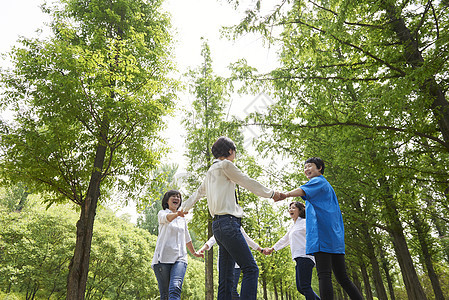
{"x":325,"y":264}
{"x":235,"y":293}
{"x":304,"y":268}
{"x":233,"y":248}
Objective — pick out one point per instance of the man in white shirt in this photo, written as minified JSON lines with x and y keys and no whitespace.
{"x":219,"y":188}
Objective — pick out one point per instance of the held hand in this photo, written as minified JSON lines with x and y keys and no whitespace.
{"x":198,"y":254}
{"x":279,"y":196}
{"x":267,"y":251}
{"x":202,"y":249}
{"x":182,"y":213}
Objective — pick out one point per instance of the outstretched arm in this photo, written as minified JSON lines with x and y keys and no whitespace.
{"x":250,"y":241}
{"x":202,"y":249}
{"x":192,"y":250}
{"x":171,"y":216}
{"x":282,"y":243}
{"x":299,"y":192}
{"x":198,"y":194}
{"x":207,"y":245}
{"x":237,"y":176}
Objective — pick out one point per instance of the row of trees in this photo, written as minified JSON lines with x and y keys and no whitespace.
{"x":364,"y":85}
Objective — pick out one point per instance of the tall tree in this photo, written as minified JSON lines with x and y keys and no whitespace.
{"x":88,"y":102}
{"x":205,"y":122}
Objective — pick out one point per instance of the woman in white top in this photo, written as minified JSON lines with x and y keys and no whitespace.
{"x":251,"y":243}
{"x":296,"y":238}
{"x":219,"y":187}
{"x":170,"y":256}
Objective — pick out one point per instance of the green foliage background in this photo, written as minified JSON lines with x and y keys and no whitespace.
{"x":36,"y":246}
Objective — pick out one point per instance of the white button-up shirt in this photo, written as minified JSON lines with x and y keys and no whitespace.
{"x":219,"y":188}
{"x":171,"y":240}
{"x":296,"y":238}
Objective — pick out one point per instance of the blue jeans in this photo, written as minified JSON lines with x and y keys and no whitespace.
{"x":233,"y":248}
{"x":169,"y":279}
{"x":304,"y":267}
{"x":235,"y":293}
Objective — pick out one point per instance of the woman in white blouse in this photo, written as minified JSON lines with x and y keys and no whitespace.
{"x":170,"y":256}
{"x":296,"y":238}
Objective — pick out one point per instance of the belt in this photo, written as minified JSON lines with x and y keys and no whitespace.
{"x":218,"y":217}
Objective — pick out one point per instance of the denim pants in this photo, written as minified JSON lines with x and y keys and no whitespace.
{"x":325,"y":264}
{"x":169,"y":279}
{"x":304,"y":267}
{"x":233,"y":248}
{"x":235,"y":293}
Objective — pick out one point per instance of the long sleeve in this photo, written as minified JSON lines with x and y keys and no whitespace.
{"x":237,"y":176}
{"x":162,"y":216}
{"x":187,"y":234}
{"x":219,"y":188}
{"x":211,"y":242}
{"x":249,"y":240}
{"x":283,"y":241}
{"x":197,"y":195}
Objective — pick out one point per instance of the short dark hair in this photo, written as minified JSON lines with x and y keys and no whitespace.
{"x":318,"y":163}
{"x":301,"y":207}
{"x":168,"y":195}
{"x":222,"y":146}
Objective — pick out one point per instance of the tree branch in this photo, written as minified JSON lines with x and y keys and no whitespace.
{"x":354,"y":124}
{"x":347,"y":23}
{"x":351,"y":45}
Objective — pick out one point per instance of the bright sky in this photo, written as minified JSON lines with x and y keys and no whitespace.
{"x":192,"y":19}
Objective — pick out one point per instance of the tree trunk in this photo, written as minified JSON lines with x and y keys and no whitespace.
{"x":369,"y":252}
{"x":377,"y":277}
{"x":209,"y":264}
{"x":411,"y":280}
{"x":438,"y":224}
{"x":275,"y":291}
{"x":264,"y":286}
{"x":426,"y":257}
{"x":23,"y":200}
{"x":356,"y":280}
{"x":365,"y":276}
{"x":441,"y":233}
{"x":413,"y":57}
{"x":79,"y":265}
{"x":386,"y":268}
{"x":281,"y":286}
